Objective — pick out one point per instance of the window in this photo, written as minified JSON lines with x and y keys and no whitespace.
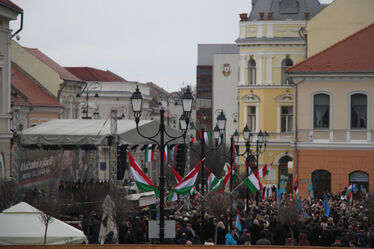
{"x":252,"y":72}
{"x":358,"y":111}
{"x":286,"y":63}
{"x":321,"y":180}
{"x":252,"y":118}
{"x":321,"y":111}
{"x":286,"y":118}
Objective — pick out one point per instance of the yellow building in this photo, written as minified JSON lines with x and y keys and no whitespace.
{"x":270,"y":41}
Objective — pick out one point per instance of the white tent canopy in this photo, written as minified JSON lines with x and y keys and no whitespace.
{"x":21,"y":225}
{"x":92,"y":132}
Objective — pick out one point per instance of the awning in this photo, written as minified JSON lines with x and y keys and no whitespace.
{"x":81,"y":132}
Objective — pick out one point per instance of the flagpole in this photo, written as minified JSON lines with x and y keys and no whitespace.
{"x":237,"y":187}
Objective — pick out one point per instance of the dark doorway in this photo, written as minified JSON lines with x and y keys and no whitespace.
{"x":321,"y":180}
{"x":283,"y":174}
{"x":360,"y":182}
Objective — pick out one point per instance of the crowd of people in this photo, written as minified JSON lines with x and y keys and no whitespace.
{"x":345,"y":224}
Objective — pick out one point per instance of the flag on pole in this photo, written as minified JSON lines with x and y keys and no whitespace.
{"x":212,"y":180}
{"x":234,"y":152}
{"x":150,"y":153}
{"x":142,"y":181}
{"x":174,"y":149}
{"x":206,"y":136}
{"x":186,"y":185}
{"x":166,"y":153}
{"x":253,"y":182}
{"x":326,"y":206}
{"x":226,"y":179}
{"x":237,"y":223}
{"x":234,"y":174}
{"x":296,"y":183}
{"x":282,"y":189}
{"x":179,"y":179}
{"x":298,"y":197}
{"x":349,"y":193}
{"x":310,"y":188}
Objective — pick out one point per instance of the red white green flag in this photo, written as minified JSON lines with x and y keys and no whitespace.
{"x":186,"y":185}
{"x":212,"y":180}
{"x":234,"y":174}
{"x":226,"y":178}
{"x":142,"y":181}
{"x":179,"y":179}
{"x":253,"y":182}
{"x":150,"y":153}
{"x":349,"y":192}
{"x":234,"y":152}
{"x":264,"y":171}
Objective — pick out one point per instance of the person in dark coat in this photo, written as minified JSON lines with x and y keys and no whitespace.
{"x":221,"y":233}
{"x":245,"y":237}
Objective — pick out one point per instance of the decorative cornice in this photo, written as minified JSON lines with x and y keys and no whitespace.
{"x":335,"y":146}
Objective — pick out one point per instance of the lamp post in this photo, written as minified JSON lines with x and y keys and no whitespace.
{"x":136,"y":104}
{"x":233,"y":139}
{"x":262,"y":139}
{"x":87,"y":89}
{"x":217,"y":133}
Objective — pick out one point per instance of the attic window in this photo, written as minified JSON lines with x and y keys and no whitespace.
{"x":289,"y":7}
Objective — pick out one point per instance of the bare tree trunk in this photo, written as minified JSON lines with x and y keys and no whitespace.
{"x":45,"y":234}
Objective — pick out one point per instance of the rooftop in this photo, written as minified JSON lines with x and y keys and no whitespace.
{"x":93,"y":74}
{"x":353,"y":54}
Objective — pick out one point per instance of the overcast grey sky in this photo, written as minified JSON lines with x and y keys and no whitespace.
{"x":140,"y":40}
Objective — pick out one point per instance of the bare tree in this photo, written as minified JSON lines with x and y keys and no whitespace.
{"x":218,"y":204}
{"x":8,"y":193}
{"x":290,"y":215}
{"x":49,"y":208}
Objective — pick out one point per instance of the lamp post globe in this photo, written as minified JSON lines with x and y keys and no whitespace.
{"x":221,"y":121}
{"x":236,"y":137}
{"x":136,"y":103}
{"x":187,"y":100}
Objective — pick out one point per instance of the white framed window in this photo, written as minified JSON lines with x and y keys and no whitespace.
{"x":321,"y":111}
{"x":359,"y":108}
{"x":252,"y":72}
{"x":286,"y":118}
{"x":251,"y":121}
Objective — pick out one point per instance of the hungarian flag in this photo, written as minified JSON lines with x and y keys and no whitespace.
{"x":205,"y":136}
{"x":234,"y":152}
{"x":150,"y":153}
{"x":349,"y":193}
{"x":186,"y":185}
{"x":212,"y":180}
{"x":166,"y":153}
{"x":296,"y":183}
{"x":142,"y":181}
{"x":264,"y":171}
{"x":174,"y":149}
{"x":234,"y":174}
{"x":226,"y":178}
{"x":179,"y":178}
{"x":253,"y":182}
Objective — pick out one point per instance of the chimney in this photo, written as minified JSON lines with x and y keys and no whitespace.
{"x":261,"y":15}
{"x":306,"y":15}
{"x":270,"y":15}
{"x":243,"y":17}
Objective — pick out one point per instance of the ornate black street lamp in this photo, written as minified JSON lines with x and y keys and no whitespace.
{"x":87,"y":89}
{"x":136,"y":104}
{"x":217,"y":133}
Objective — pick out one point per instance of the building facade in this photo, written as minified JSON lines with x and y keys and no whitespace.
{"x":270,"y":41}
{"x":334,"y":118}
{"x":8,"y":12}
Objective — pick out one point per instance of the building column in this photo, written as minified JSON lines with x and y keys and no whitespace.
{"x":243,"y":62}
{"x":259,"y":70}
{"x":269,"y":69}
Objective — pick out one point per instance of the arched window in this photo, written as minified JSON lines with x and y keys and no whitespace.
{"x":360,"y":181}
{"x":321,"y":111}
{"x":358,"y":111}
{"x":286,"y":63}
{"x":321,"y":180}
{"x":252,"y":71}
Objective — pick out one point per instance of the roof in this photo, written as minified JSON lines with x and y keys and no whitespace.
{"x":93,"y":74}
{"x":92,"y":132}
{"x":353,"y":54}
{"x":206,"y":52}
{"x":155,"y":90}
{"x":285,"y":9}
{"x":11,"y":5}
{"x":64,"y":74}
{"x":35,"y":94}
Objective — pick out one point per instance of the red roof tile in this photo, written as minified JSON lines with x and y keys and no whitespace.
{"x":64,"y":74}
{"x":36,"y":95}
{"x":93,"y":74}
{"x":10,"y":4}
{"x":353,"y":54}
{"x":18,"y":98}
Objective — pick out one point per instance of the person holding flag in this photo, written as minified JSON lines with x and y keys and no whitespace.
{"x":349,"y":193}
